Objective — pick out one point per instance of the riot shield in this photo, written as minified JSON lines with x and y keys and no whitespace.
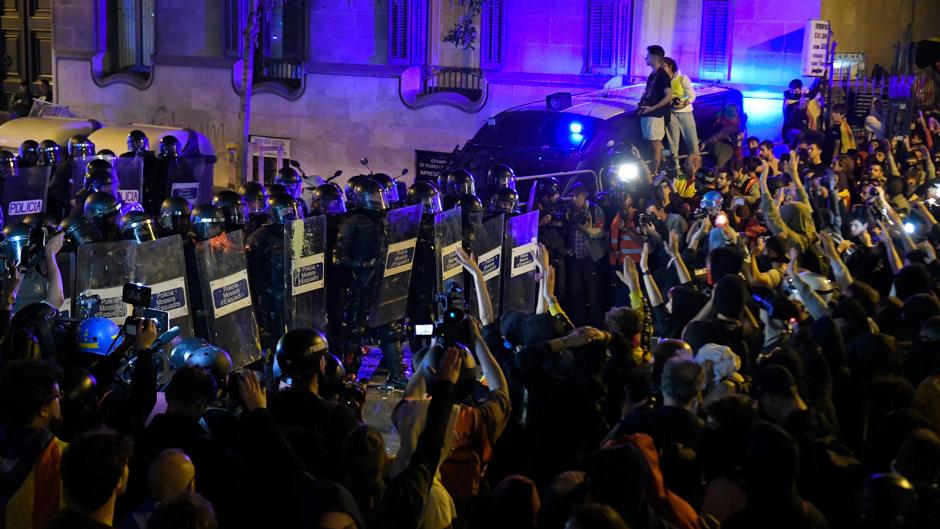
{"x":520,"y":289}
{"x":223,"y":277}
{"x":448,"y":237}
{"x":305,"y":273}
{"x":130,"y":177}
{"x":190,"y":178}
{"x":102,"y":269}
{"x":391,"y":297}
{"x":160,"y":265}
{"x":488,"y":251}
{"x":79,"y":165}
{"x":25,"y":193}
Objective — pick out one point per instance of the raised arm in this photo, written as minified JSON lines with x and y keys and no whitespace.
{"x":55,"y":294}
{"x":801,"y":194}
{"x":672,"y":249}
{"x":484,"y":302}
{"x":892,"y":253}
{"x":652,"y":289}
{"x":828,"y":248}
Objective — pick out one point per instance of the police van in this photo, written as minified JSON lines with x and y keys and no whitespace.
{"x":585,"y":132}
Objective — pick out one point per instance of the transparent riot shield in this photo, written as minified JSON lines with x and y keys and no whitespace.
{"x":25,"y":193}
{"x":488,"y":251}
{"x":520,"y":288}
{"x":160,"y":265}
{"x":190,"y":178}
{"x":305,"y":273}
{"x":130,"y":179}
{"x":391,"y":296}
{"x":448,"y":237}
{"x":102,"y":270}
{"x":223,"y":277}
{"x":79,"y":166}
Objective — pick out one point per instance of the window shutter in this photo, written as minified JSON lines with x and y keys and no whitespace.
{"x":398,"y":32}
{"x":233,"y":27}
{"x":492,"y":32}
{"x":624,"y":20}
{"x":601,"y":34}
{"x":294,"y":30}
{"x":716,"y":49}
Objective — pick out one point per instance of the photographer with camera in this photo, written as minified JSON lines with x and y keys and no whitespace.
{"x":586,"y":249}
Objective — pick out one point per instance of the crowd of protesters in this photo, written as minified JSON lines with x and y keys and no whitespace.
{"x":752,"y":342}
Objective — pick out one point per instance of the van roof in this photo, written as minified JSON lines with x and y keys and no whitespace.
{"x":606,"y":104}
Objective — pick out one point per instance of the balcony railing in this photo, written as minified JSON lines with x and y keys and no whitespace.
{"x":279,"y":70}
{"x":467,"y":82}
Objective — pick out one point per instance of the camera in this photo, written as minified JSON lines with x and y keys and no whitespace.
{"x":453,"y":324}
{"x":582,"y":217}
{"x":87,"y":306}
{"x":138,"y":296}
{"x":644,"y":219}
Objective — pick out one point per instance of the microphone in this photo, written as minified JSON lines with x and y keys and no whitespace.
{"x":166,"y":337}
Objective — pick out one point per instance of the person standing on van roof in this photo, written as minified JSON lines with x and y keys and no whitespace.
{"x":654,"y":105}
{"x":681,"y":119}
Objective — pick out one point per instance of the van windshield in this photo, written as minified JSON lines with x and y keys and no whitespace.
{"x":536,"y":129}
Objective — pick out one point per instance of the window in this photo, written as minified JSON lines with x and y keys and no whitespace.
{"x":608,"y":47}
{"x":281,"y":44}
{"x":130,"y":36}
{"x":716,"y":39}
{"x":492,"y":31}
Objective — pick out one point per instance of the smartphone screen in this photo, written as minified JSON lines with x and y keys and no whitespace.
{"x":721,"y":220}
{"x":424,"y":329}
{"x":161,"y":317}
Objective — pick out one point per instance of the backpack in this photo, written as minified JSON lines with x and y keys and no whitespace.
{"x":463,"y":470}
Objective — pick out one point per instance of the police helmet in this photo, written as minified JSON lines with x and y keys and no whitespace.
{"x":274,"y":189}
{"x":107,"y":152}
{"x":98,"y":163}
{"x":460,"y":182}
{"x":471,"y":209}
{"x":78,"y":230}
{"x":47,"y":220}
{"x":15,"y":240}
{"x":99,"y":179}
{"x":207,"y":221}
{"x":328,"y":199}
{"x":137,"y":226}
{"x":501,"y":175}
{"x":504,"y":200}
{"x":426,"y":194}
{"x":173,"y":218}
{"x":99,"y":336}
{"x":99,"y":205}
{"x":284,"y":208}
{"x":29,"y":153}
{"x":299,"y":352}
{"x":78,"y":389}
{"x":887,"y":501}
{"x":253,"y":195}
{"x":818,"y":282}
{"x":391,"y":188}
{"x":183,"y":349}
{"x":369,"y":194}
{"x":213,"y":359}
{"x":169,"y":147}
{"x":548,"y":187}
{"x":351,"y":185}
{"x":49,"y":153}
{"x":233,"y":208}
{"x":8,"y":163}
{"x":137,"y":141}
{"x":290,"y":179}
{"x":79,"y":145}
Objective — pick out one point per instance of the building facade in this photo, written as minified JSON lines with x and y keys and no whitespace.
{"x":344,"y":79}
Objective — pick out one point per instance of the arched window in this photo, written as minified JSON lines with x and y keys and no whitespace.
{"x":130,"y":37}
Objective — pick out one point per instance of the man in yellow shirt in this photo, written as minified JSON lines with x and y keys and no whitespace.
{"x":681,"y":119}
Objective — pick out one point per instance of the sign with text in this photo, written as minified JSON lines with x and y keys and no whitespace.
{"x":430,"y":164}
{"x":400,"y":257}
{"x":307,"y":274}
{"x":815,"y":48}
{"x":523,"y":258}
{"x":490,"y":263}
{"x":170,"y":297}
{"x":230,"y":293}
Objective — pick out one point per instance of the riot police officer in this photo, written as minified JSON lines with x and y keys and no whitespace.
{"x":256,"y":200}
{"x":174,"y":217}
{"x":552,"y":227}
{"x":103,"y":210}
{"x":78,"y":230}
{"x":29,"y":153}
{"x":457,"y":183}
{"x":328,"y":199}
{"x":504,"y":200}
{"x":137,"y":226}
{"x":500,"y":176}
{"x":8,"y":164}
{"x":264,"y":252}
{"x":233,"y":208}
{"x":359,"y":252}
{"x":391,"y":188}
{"x":155,"y":183}
{"x":471,"y":216}
{"x":421,"y":293}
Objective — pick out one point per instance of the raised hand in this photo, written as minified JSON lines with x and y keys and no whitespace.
{"x":250,"y":390}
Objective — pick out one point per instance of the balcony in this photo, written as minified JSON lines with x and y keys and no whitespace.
{"x":283,"y":77}
{"x":462,"y":88}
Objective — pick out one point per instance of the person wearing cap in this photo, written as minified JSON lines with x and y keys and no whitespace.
{"x":768,"y":263}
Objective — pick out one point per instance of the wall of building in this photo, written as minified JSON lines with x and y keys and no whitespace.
{"x":767,"y":41}
{"x":350,"y":31}
{"x":874,"y":26}
{"x":546,"y":36}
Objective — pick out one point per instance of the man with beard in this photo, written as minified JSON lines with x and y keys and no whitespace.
{"x":30,"y":481}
